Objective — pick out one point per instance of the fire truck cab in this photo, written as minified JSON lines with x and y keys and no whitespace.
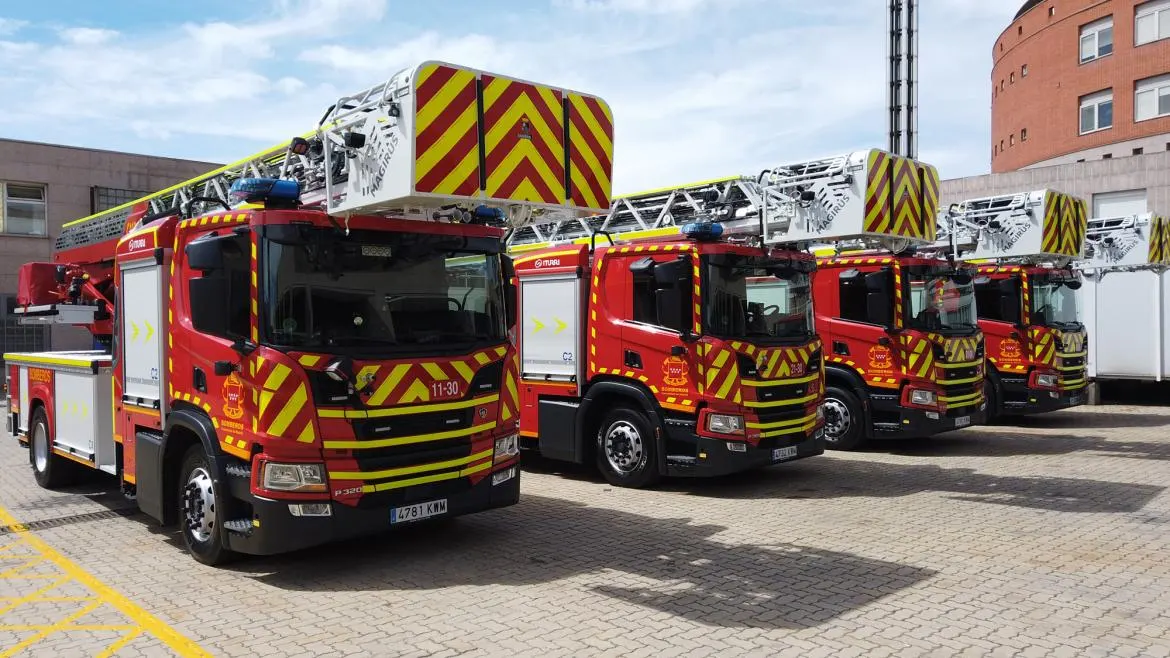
{"x":656,"y":357}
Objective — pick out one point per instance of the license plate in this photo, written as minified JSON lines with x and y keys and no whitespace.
{"x":780,"y":454}
{"x":418,"y":511}
{"x":962,"y":421}
{"x":1076,"y":399}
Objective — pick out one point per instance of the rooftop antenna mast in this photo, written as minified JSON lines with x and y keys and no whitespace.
{"x":902,"y":26}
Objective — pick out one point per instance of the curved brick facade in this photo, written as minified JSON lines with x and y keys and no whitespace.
{"x":1038,"y":82}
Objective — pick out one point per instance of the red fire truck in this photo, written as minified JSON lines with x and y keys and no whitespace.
{"x":312,"y":343}
{"x":1024,"y":245}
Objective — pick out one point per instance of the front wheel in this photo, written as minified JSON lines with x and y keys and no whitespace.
{"x":200,"y":510}
{"x":626,"y":451}
{"x":49,"y":470}
{"x":991,"y":397}
{"x":843,"y":420}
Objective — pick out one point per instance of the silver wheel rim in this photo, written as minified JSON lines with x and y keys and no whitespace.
{"x":838,"y":420}
{"x":40,"y":447}
{"x":623,"y":447}
{"x":199,"y":505}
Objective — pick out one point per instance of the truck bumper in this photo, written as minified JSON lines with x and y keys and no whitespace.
{"x":276,"y":530}
{"x":714,"y":457}
{"x":1025,"y":401}
{"x":897,"y":422}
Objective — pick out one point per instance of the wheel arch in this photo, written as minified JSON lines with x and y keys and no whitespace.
{"x":186,"y":426}
{"x":602,"y":394}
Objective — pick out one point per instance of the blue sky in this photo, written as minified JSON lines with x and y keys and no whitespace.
{"x":699,"y":88}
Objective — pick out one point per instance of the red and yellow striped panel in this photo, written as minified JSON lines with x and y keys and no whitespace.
{"x":284,"y":407}
{"x":1065,"y":222}
{"x":1159,"y":251}
{"x":510,"y":394}
{"x":416,"y":382}
{"x":917,"y":356}
{"x":779,"y":363}
{"x":1043,"y":345}
{"x":446,"y":131}
{"x":721,"y":374}
{"x":524,"y":141}
{"x":1069,"y":343}
{"x":590,"y":152}
{"x":901,"y":197}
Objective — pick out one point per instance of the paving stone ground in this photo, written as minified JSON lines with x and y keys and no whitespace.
{"x":1048,"y":538}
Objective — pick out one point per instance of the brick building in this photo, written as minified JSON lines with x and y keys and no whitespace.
{"x":43,"y":186}
{"x":1081,"y":80}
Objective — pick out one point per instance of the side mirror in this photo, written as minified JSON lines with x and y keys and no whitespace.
{"x":207,"y":253}
{"x":1073,"y":284}
{"x":1007,"y":286}
{"x":962,"y":278}
{"x":209,"y":312}
{"x":878,"y":283}
{"x":880,"y":308}
{"x":511,"y":290}
{"x":671,"y":309}
{"x":1009,"y":308}
{"x":673,"y":273}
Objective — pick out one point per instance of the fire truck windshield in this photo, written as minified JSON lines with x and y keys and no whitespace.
{"x":379,"y":291}
{"x":753,"y":299}
{"x":1054,"y":304}
{"x":940,"y":303}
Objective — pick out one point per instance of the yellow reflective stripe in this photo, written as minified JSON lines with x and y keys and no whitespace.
{"x":1071,"y":355}
{"x":464,"y":370}
{"x":289,"y":412}
{"x":779,"y":403}
{"x":952,"y":382}
{"x":1070,"y":368}
{"x":965,"y":364}
{"x":407,"y":470}
{"x":275,"y":378}
{"x":435,"y":371}
{"x":782,"y":423}
{"x":18,"y":359}
{"x":424,"y":479}
{"x":407,"y":410}
{"x":407,"y":440}
{"x":388,"y":384}
{"x":780,"y":382}
{"x":961,"y":398}
{"x":792,"y":430}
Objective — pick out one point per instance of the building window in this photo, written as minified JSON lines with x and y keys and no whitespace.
{"x":23,"y":211}
{"x":1001,"y":146}
{"x":1024,"y":71}
{"x":1051,"y":12}
{"x":1096,"y":39}
{"x":1012,"y":78}
{"x":1138,"y":151}
{"x":1152,"y":98}
{"x":1097,"y":111}
{"x":104,"y":198}
{"x":1107,"y":156}
{"x":1001,"y":85}
{"x":1151,"y":22}
{"x":1012,"y":139}
{"x":1023,"y":134}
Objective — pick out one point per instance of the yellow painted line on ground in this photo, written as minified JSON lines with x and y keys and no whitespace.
{"x":141,"y":620}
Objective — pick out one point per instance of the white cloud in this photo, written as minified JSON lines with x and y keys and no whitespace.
{"x":87,"y":36}
{"x":717,"y":92}
{"x":10,"y":26}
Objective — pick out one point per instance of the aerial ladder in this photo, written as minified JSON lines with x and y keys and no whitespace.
{"x":1024,"y":245}
{"x":312,"y":343}
{"x":1123,"y":299}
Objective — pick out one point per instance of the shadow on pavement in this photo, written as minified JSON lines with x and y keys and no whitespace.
{"x":986,"y":442}
{"x":1074,"y":420}
{"x":670,"y":565}
{"x":826,"y":477}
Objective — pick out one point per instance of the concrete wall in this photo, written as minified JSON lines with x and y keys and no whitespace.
{"x":69,"y":173}
{"x":1150,"y":172}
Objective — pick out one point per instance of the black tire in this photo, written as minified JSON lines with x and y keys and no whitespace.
{"x":991,"y":396}
{"x":50,"y":470}
{"x":844,"y":417}
{"x":197,"y":498}
{"x":627,"y":452}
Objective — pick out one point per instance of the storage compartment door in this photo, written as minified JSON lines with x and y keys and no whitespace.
{"x":76,"y":414}
{"x":142,"y":329}
{"x":550,"y":343}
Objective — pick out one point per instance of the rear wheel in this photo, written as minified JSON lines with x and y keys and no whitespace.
{"x":200,"y":510}
{"x":843,"y":419}
{"x":50,"y":470}
{"x":626,"y":450}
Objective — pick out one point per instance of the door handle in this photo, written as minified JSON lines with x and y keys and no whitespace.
{"x":840,"y":348}
{"x":633,"y":359}
{"x":199,"y":379}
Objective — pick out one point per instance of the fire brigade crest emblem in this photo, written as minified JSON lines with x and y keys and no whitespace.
{"x":674,"y":371}
{"x":233,"y":397}
{"x":880,"y":358}
{"x":1009,"y":349}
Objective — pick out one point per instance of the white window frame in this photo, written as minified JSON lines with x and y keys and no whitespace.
{"x":1156,"y":87}
{"x":1095,"y":100}
{"x":4,"y":208}
{"x":1092,"y":32}
{"x":1157,"y":12}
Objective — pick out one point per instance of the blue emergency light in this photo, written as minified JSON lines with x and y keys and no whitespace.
{"x":487,"y":213}
{"x":256,"y":190}
{"x":703,"y":230}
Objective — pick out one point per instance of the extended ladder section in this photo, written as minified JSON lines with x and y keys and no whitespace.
{"x":871,"y":197}
{"x":1036,"y":226}
{"x":1135,"y":242}
{"x":435,"y":142}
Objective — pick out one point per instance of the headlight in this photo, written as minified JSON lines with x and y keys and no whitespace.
{"x":507,"y":447}
{"x":294,"y":477}
{"x":724,"y":424}
{"x":1046,"y":381}
{"x":922,"y":397}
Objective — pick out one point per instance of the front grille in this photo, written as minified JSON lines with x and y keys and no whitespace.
{"x":416,"y":493}
{"x":413,"y":424}
{"x":376,"y":459}
{"x":1073,"y":361}
{"x":781,"y":392}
